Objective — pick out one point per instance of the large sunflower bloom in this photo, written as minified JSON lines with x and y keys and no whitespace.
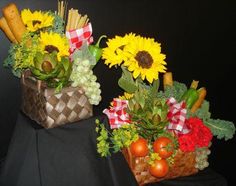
{"x":144,"y":58}
{"x":36,"y":20}
{"x":50,"y":42}
{"x":113,"y":53}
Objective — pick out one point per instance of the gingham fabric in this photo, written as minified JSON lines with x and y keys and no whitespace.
{"x":79,"y":36}
{"x":117,"y":114}
{"x":177,"y":116}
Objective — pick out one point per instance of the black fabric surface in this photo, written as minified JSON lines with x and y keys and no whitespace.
{"x":66,"y":156}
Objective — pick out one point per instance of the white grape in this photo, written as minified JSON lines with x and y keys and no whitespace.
{"x":83,"y":76}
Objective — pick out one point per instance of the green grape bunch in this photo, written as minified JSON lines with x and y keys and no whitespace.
{"x":202,"y":158}
{"x":82,"y":76}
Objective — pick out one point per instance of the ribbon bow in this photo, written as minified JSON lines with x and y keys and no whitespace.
{"x":117,"y":114}
{"x":78,"y":36}
{"x":177,"y":116}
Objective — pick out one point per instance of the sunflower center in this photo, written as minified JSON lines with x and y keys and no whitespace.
{"x":34,"y":22}
{"x":144,"y":59}
{"x":51,"y":48}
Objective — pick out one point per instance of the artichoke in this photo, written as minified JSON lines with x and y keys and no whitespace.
{"x":47,"y":68}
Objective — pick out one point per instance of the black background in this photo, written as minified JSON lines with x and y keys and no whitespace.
{"x":197,"y":36}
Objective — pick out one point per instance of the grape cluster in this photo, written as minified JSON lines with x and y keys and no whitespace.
{"x":82,"y":76}
{"x":202,"y":158}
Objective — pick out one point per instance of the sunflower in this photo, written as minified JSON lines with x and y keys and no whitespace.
{"x":143,"y":57}
{"x":113,"y":53}
{"x":50,"y":42}
{"x":36,"y":20}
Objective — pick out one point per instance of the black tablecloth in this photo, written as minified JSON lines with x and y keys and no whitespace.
{"x":66,"y":156}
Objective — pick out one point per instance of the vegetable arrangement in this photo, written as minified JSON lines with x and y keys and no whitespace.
{"x":152,"y":123}
{"x":53,"y":47}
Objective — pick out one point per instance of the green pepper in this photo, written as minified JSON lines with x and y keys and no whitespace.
{"x":95,"y":50}
{"x":190,"y":97}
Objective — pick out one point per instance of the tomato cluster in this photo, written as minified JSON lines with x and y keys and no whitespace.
{"x":163,"y":146}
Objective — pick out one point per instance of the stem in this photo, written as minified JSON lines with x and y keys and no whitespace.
{"x":99,"y":40}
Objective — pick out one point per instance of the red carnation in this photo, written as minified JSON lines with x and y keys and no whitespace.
{"x":199,"y":136}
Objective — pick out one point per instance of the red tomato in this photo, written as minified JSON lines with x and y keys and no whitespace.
{"x":163,"y":146}
{"x":159,"y":169}
{"x":139,"y":148}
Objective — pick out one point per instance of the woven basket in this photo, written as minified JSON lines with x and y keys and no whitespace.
{"x":184,"y":165}
{"x":50,"y":110}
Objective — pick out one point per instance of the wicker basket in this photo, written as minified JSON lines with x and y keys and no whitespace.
{"x":184,"y":165}
{"x":49,"y":109}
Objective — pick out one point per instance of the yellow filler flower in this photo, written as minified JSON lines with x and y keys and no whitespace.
{"x":50,"y":42}
{"x":144,"y":58}
{"x":126,"y":96}
{"x":36,"y":20}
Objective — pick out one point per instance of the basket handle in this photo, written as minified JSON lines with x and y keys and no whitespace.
{"x":27,"y":74}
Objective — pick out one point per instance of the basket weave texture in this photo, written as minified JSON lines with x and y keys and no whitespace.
{"x":49,"y":109}
{"x":184,"y":165}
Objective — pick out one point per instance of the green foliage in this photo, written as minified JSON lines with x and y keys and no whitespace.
{"x":123,"y":137}
{"x":21,"y":56}
{"x":176,"y":91}
{"x":220,"y":128}
{"x":10,"y":61}
{"x":103,"y":144}
{"x":126,"y":81}
{"x":115,"y":140}
{"x":58,"y":24}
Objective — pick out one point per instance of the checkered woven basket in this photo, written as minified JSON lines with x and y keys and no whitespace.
{"x":184,"y":165}
{"x":49,"y":109}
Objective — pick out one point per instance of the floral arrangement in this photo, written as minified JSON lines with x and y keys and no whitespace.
{"x":54,"y":47}
{"x":150,"y":121}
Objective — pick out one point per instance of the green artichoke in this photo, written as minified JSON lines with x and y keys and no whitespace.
{"x":47,"y":68}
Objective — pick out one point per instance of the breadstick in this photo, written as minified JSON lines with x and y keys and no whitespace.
{"x":77,"y":20}
{"x":14,"y":21}
{"x":5,"y":28}
{"x":167,"y":79}
{"x":62,"y":9}
{"x":68,"y":20}
{"x":82,"y":21}
{"x":87,"y":20}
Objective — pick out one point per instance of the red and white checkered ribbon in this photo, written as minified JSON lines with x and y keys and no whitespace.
{"x":78,"y":36}
{"x":117,"y":114}
{"x":177,"y":116}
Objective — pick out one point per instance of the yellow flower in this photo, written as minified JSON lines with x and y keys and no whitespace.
{"x":113,"y":53}
{"x":36,"y":20}
{"x":126,"y":96}
{"x":144,"y":58}
{"x":50,"y":42}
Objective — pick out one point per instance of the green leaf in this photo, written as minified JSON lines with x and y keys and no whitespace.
{"x":221,"y":128}
{"x":66,"y":63}
{"x":126,"y":81}
{"x":127,"y":86}
{"x":155,"y":87}
{"x":126,"y":74}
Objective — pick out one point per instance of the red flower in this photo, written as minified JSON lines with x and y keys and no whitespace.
{"x":199,"y":136}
